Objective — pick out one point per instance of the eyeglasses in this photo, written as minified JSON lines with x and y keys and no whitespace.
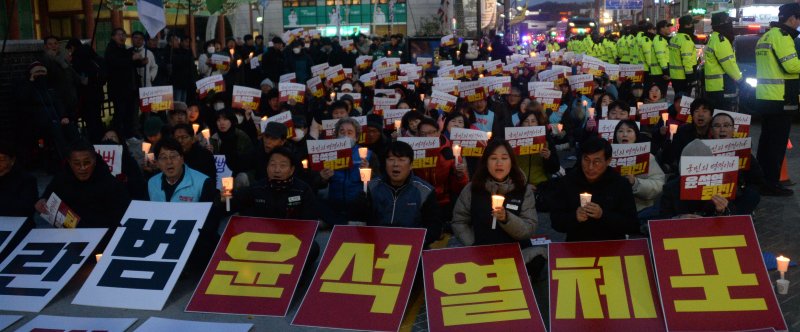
{"x":168,"y":157}
{"x":724,"y":125}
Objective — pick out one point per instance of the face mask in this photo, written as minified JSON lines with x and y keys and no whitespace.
{"x":239,"y":118}
{"x":637,"y":93}
{"x":298,"y":135}
{"x":280,"y":185}
{"x":351,"y":141}
{"x":219,"y":106}
{"x":210,"y":49}
{"x":296,"y":50}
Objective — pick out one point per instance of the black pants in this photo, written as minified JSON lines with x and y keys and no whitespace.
{"x":775,"y":126}
{"x":126,"y":109}
{"x":681,"y":86}
{"x":719,"y":100}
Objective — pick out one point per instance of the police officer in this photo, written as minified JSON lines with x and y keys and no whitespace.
{"x":659,"y":70}
{"x":721,"y":71}
{"x":777,"y":93}
{"x":623,"y":51}
{"x":645,"y":42}
{"x":610,"y":47}
{"x":683,"y":57}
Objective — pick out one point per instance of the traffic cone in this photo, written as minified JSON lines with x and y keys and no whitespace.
{"x":784,"y":167}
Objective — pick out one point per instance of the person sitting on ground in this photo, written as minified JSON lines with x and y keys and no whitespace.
{"x":18,"y":189}
{"x":646,"y":187}
{"x":747,"y":195}
{"x":236,"y":146}
{"x":195,"y":156}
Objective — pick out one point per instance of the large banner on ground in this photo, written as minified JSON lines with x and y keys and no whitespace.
{"x":364,"y":279}
{"x":711,"y":275}
{"x":483,"y":288}
{"x":40,"y":266}
{"x":145,"y":256}
{"x":158,"y":324}
{"x":603,"y":286}
{"x":9,"y":226}
{"x":45,"y":323}
{"x":256,"y":267}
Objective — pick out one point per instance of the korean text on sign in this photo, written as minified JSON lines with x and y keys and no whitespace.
{"x":711,"y":275}
{"x":332,"y":154}
{"x":704,"y":177}
{"x":631,"y":159}
{"x":527,"y":140}
{"x":472,"y":141}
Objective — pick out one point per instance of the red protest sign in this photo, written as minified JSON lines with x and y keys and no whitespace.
{"x":442,"y":101}
{"x":335,"y":74}
{"x":332,"y":154}
{"x":527,"y":140}
{"x":685,"y":114}
{"x":704,"y":177}
{"x":550,"y":99}
{"x":605,"y":129}
{"x":739,"y":147}
{"x":155,"y":99}
{"x":245,"y":97}
{"x":631,"y":159}
{"x":497,"y":85}
{"x":533,"y":86}
{"x":634,"y":73}
{"x":212,"y":83}
{"x":386,"y":74}
{"x":472,"y":91}
{"x":284,"y":117}
{"x":650,"y":114}
{"x":471,"y":141}
{"x":295,"y":91}
{"x":390,"y":115}
{"x":426,"y":150}
{"x":372,"y":295}
{"x":603,"y":286}
{"x":363,"y":62}
{"x":741,"y":123}
{"x":256,"y":267}
{"x":711,"y":275}
{"x":582,"y":84}
{"x":381,"y":104}
{"x":482,"y":288}
{"x":221,"y":62}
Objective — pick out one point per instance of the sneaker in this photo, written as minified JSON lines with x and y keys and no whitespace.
{"x":776,"y":190}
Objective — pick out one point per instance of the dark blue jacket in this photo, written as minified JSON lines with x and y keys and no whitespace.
{"x":411,"y":205}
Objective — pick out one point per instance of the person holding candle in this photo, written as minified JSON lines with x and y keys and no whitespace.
{"x":398,"y":198}
{"x":448,"y":177}
{"x":610,"y":215}
{"x":498,"y":174}
{"x":131,"y":175}
{"x":701,"y":110}
{"x":646,"y":187}
{"x":194,"y":155}
{"x":345,"y":189}
{"x":374,"y":137}
{"x":409,"y":124}
{"x":236,"y":146}
{"x":178,"y":114}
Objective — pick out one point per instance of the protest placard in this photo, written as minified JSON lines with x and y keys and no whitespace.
{"x":284,"y":117}
{"x":442,"y":101}
{"x":7,"y":320}
{"x":741,"y":123}
{"x":221,"y":62}
{"x":9,"y":226}
{"x":497,"y":85}
{"x":158,"y":324}
{"x":494,"y":67}
{"x":155,"y":99}
{"x":711,"y":275}
{"x":244,"y":97}
{"x":42,"y":264}
{"x":356,"y":98}
{"x":650,"y":114}
{"x":603,"y":286}
{"x":472,"y":141}
{"x":704,"y":177}
{"x":47,"y":323}
{"x":314,"y":85}
{"x":381,"y":104}
{"x":390,"y":115}
{"x":145,"y":256}
{"x":634,"y":73}
{"x":539,"y":86}
{"x":739,"y":147}
{"x":550,"y":99}
{"x":335,"y":74}
{"x":425,"y":63}
{"x":426,"y":150}
{"x":631,"y":159}
{"x":472,"y":91}
{"x":448,"y":41}
{"x":364,"y":62}
{"x":684,"y":114}
{"x":256,"y":267}
{"x":479,"y":288}
{"x":376,"y":289}
{"x":319,"y":70}
{"x":112,"y":156}
{"x":582,"y":84}
{"x":293,"y":91}
{"x":527,"y":140}
{"x":59,"y":214}
{"x":212,"y":83}
{"x":222,"y":169}
{"x":332,"y":154}
{"x":449,"y":86}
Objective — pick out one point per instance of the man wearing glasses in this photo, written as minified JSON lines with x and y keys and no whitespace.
{"x":177,"y":182}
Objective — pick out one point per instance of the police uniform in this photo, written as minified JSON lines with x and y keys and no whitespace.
{"x":660,"y":64}
{"x":623,"y":50}
{"x":682,"y":59}
{"x":777,"y":95}
{"x":720,"y":69}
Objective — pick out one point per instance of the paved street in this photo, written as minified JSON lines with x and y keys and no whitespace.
{"x":777,"y":223}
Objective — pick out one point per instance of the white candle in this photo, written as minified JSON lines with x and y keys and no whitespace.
{"x":604,"y":112}
{"x":488,"y":135}
{"x":238,"y":62}
{"x":783,"y":263}
{"x":264,"y":118}
{"x":333,"y":95}
{"x":421,"y":96}
{"x":305,"y":163}
{"x":586,"y":198}
{"x":639,"y":104}
{"x":206,"y":133}
{"x":497,"y":202}
{"x":227,"y":188}
{"x":480,"y":76}
{"x":151,"y":156}
{"x":362,"y":152}
{"x":230,"y":51}
{"x":366,"y":175}
{"x":251,"y":55}
{"x":146,"y":147}
{"x":397,"y":126}
{"x":673,"y":128}
{"x":591,"y":112}
{"x":97,"y":257}
{"x":560,"y":127}
{"x":665,"y":117}
{"x":196,"y":127}
{"x":585,"y":103}
{"x":632,"y":111}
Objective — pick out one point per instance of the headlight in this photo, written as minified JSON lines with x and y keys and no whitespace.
{"x":751,"y":81}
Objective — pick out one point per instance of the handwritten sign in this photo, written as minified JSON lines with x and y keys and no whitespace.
{"x":212,"y":83}
{"x":582,"y":84}
{"x":155,"y":99}
{"x":739,"y":147}
{"x":426,"y":150}
{"x":685,"y":113}
{"x":381,"y":104}
{"x":390,"y":115}
{"x":112,"y":156}
{"x":650,"y":114}
{"x":244,"y":97}
{"x":472,"y":91}
{"x":364,"y":62}
{"x":288,"y":78}
{"x":332,"y":154}
{"x":293,"y":91}
{"x":550,"y":99}
{"x":631,"y":159}
{"x":472,"y":141}
{"x":634,"y":73}
{"x":221,"y":62}
{"x":442,"y":101}
{"x":704,"y":177}
{"x":527,"y":140}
